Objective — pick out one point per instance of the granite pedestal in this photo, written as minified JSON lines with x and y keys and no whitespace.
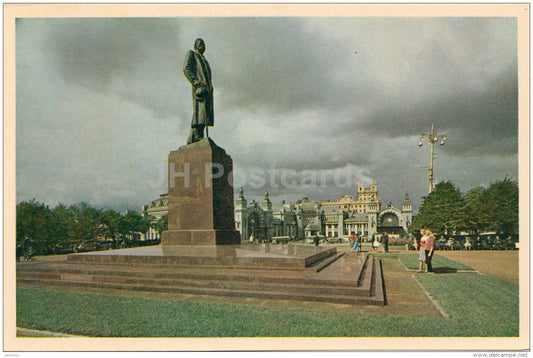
{"x":200,"y":197}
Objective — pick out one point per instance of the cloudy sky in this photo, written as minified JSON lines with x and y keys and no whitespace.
{"x":305,"y":106}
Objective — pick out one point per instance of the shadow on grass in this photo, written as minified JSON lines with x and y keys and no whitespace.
{"x":444,"y":270}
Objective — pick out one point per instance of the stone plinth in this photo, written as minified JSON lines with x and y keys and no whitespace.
{"x":200,"y":196}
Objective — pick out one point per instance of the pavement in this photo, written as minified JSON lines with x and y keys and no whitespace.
{"x":502,"y":264}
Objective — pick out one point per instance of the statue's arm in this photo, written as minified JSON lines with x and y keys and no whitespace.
{"x":189,"y":69}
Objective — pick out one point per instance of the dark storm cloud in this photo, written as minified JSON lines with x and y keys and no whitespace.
{"x":134,"y":58}
{"x":478,"y":121}
{"x":101,"y":102}
{"x":275,"y":64}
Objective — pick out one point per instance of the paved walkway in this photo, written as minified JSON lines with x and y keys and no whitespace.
{"x":501,"y":264}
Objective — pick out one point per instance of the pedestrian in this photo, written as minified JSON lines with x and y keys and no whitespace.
{"x":422,"y":252}
{"x":356,"y":244}
{"x":20,"y":252}
{"x":317,"y":240}
{"x":386,"y":242}
{"x":375,"y":244}
{"x":430,"y":245}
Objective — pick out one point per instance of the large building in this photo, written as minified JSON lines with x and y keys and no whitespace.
{"x":305,"y":219}
{"x":157,"y":209}
{"x":331,"y":219}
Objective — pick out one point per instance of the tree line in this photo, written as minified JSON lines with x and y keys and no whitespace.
{"x":446,"y":211}
{"x":78,"y":227}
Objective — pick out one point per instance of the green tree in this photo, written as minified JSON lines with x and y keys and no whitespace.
{"x":162,"y":224}
{"x":33,"y":223}
{"x":501,"y":206}
{"x":473,"y":215}
{"x":440,"y":210}
{"x":132,"y":224}
{"x":109,"y":220}
{"x":86,"y":222}
{"x":63,"y":226}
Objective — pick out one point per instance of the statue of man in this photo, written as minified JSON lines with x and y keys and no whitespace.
{"x":198,"y":72}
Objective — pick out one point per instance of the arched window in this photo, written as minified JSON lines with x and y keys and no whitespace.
{"x":389,"y":219}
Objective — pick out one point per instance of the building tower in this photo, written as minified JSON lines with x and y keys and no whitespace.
{"x":268,"y":216}
{"x":241,"y":215}
{"x":407,"y":211}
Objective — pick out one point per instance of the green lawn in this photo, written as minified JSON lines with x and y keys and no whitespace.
{"x":410,"y":261}
{"x":478,"y":306}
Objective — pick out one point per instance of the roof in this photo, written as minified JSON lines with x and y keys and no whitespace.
{"x":357,"y":218}
{"x":311,"y":226}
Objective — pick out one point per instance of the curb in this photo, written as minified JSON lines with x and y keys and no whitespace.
{"x":437,"y":306}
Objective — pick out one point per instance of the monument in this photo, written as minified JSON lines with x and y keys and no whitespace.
{"x":196,"y":69}
{"x":201,"y":252}
{"x":200,"y":191}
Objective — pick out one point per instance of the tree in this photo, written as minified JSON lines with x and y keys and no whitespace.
{"x":473,"y":215}
{"x":86,"y":222}
{"x":133,"y":223}
{"x":109,"y":220}
{"x":162,"y":224}
{"x":63,"y":226}
{"x":501,"y":206}
{"x":33,"y":223}
{"x":440,"y":210}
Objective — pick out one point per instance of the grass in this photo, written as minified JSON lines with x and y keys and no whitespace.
{"x":411,"y":262}
{"x":489,"y":307}
{"x":476,"y":301}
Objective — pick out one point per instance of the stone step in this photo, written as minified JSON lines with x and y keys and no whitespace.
{"x":270,"y":276}
{"x":206,"y":282}
{"x":228,"y":257}
{"x":352,"y":299}
{"x":342,"y":279}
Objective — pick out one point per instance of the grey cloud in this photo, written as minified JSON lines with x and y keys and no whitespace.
{"x":273,"y":63}
{"x":290,"y":93}
{"x":476,"y":122}
{"x":134,"y":58}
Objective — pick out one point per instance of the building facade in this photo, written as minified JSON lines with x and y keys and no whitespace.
{"x":157,"y":209}
{"x":330,"y":219}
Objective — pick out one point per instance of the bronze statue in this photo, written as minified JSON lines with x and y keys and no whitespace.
{"x":198,"y":72}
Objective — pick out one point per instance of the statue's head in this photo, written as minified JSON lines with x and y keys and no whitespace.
{"x":199,"y":45}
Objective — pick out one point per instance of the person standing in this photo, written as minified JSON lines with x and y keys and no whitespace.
{"x":430,"y":245}
{"x":197,"y":71}
{"x":386,"y":242}
{"x":415,"y":243}
{"x":356,"y":244}
{"x":422,"y":252}
{"x":375,"y":244}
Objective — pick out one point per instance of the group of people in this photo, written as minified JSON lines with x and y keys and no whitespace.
{"x":425,"y":254}
{"x":427,"y":246}
{"x":355,"y":242}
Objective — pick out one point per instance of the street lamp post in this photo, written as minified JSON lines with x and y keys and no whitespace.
{"x":432,"y":138}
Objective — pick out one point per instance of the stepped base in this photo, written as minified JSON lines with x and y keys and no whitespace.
{"x":200,"y":237}
{"x":288,"y":272}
